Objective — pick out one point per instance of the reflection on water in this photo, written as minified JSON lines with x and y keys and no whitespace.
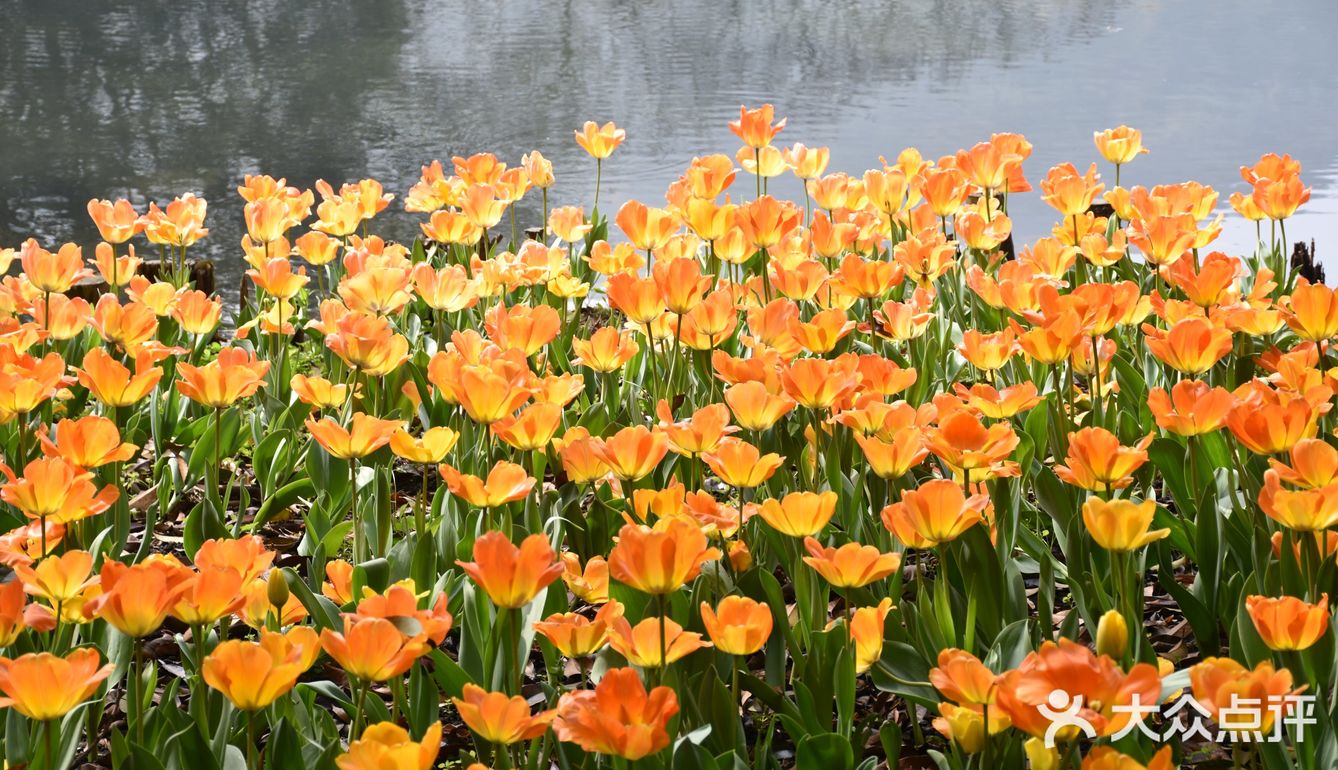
{"x":120,"y":99}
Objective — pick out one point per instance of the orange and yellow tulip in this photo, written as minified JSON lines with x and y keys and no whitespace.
{"x":512,"y":576}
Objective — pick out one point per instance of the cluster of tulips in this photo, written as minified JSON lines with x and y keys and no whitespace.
{"x":732,"y":481}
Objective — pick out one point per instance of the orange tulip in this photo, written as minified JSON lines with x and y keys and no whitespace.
{"x":52,"y":489}
{"x":1269,"y":422}
{"x":136,"y":599}
{"x":740,"y":464}
{"x":387,"y":746}
{"x":366,"y":435}
{"x":818,"y":383}
{"x":1192,"y":408}
{"x":430,"y":448}
{"x":589,"y":585}
{"x":799,"y":514}
{"x":1280,"y":198}
{"x":580,"y":461}
{"x":641,"y":644}
{"x":1106,"y":758}
{"x":1288,"y":623}
{"x":1192,"y":345}
{"x":738,"y":625}
{"x":851,"y":565}
{"x":43,"y":687}
{"x":319,"y":392}
{"x":600,"y":141}
{"x":988,"y":352}
{"x":633,"y":452}
{"x":1306,"y":510}
{"x":13,"y":611}
{"x":754,"y":126}
{"x":372,"y":649}
{"x":867,"y":632}
{"x":648,"y":228}
{"x":765,"y":222}
{"x":637,"y":298}
{"x":754,"y":407}
{"x":894,"y":457}
{"x":1312,"y":311}
{"x":112,"y":383}
{"x":607,"y":350}
{"x":88,"y":442}
{"x":53,"y":273}
{"x":681,"y":283}
{"x":703,"y":432}
{"x":661,"y":559}
{"x":512,"y":576}
{"x":1119,"y":145}
{"x":252,"y":675}
{"x":936,"y":512}
{"x":961,"y":441}
{"x":367,"y":343}
{"x":257,"y":610}
{"x":1068,"y":192}
{"x":500,"y":719}
{"x":234,"y":375}
{"x":1222,"y":683}
{"x":1121,"y":526}
{"x":1074,"y":669}
{"x":926,"y":257}
{"x":1097,"y":462}
{"x":617,"y":717}
{"x":532,"y":429}
{"x":246,"y":554}
{"x":1314,"y":465}
{"x":577,"y":636}
{"x":116,"y":222}
{"x":506,"y":482}
{"x":209,"y":596}
{"x":57,"y":579}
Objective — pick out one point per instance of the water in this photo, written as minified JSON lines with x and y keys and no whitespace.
{"x":122,"y":98}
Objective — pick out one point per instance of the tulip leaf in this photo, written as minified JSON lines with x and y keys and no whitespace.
{"x":827,"y":751}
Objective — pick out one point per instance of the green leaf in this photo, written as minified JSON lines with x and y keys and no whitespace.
{"x":824,"y":752}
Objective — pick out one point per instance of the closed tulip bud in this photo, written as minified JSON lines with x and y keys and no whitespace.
{"x":276,"y":589}
{"x":1112,"y":635}
{"x":740,"y":557}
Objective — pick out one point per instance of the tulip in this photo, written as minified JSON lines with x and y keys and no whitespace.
{"x":577,"y":636}
{"x":590,"y":584}
{"x":1074,"y":669}
{"x":1096,"y":461}
{"x":754,"y":126}
{"x":618,"y":717}
{"x":1121,"y":526}
{"x":1192,"y":408}
{"x":661,"y":559}
{"x":1106,"y":758}
{"x":1112,"y":635}
{"x":851,"y":565}
{"x":252,"y":675}
{"x":57,"y":579}
{"x":88,"y":442}
{"x":499,"y":719}
{"x":936,"y":512}
{"x":532,"y":429}
{"x":1222,"y":683}
{"x":607,"y":350}
{"x":512,"y":576}
{"x":44,"y":687}
{"x":740,"y":464}
{"x":1288,"y":623}
{"x":387,"y":746}
{"x":633,"y":452}
{"x":654,"y":642}
{"x":259,"y":610}
{"x":1119,"y":146}
{"x":505,"y":483}
{"x":112,"y":383}
{"x":234,"y":375}
{"x":738,"y":625}
{"x":372,"y":649}
{"x":799,"y":514}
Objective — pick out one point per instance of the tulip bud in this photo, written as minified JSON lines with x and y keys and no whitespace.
{"x":1041,"y":756}
{"x":1112,"y":635}
{"x":740,"y":558}
{"x":277,"y":590}
{"x":968,"y":729}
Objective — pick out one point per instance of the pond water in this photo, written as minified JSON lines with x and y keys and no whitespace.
{"x":149,"y":100}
